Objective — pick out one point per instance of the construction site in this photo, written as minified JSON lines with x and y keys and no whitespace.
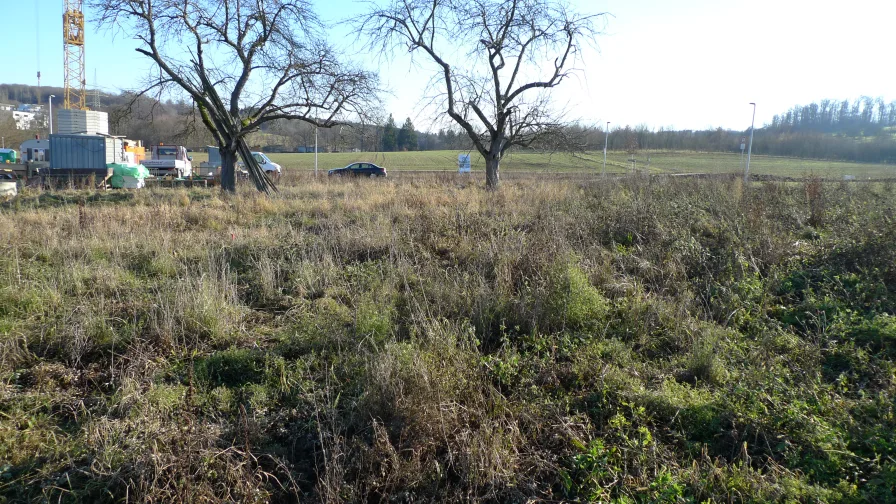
{"x":80,"y":150}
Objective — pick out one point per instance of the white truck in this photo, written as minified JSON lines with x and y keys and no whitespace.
{"x":169,"y":160}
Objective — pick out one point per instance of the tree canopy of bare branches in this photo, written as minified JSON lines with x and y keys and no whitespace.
{"x":496,"y":63}
{"x":243,"y":63}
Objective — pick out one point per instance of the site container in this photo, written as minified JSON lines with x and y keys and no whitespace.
{"x":8,"y":156}
{"x":84,"y":152}
{"x":36,"y":150}
{"x":214,"y":156}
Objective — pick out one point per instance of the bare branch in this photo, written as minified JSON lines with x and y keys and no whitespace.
{"x":504,"y":42}
{"x":244,"y":63}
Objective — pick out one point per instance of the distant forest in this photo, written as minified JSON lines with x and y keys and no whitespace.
{"x":862,"y":130}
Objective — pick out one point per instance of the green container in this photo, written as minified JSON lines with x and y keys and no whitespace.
{"x":8,"y":156}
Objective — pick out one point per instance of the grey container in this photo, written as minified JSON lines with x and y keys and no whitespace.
{"x":214,"y":156}
{"x":84,"y":152}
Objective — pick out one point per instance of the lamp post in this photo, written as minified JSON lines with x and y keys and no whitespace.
{"x":750,"y":148}
{"x":606,"y":143}
{"x":51,"y":114}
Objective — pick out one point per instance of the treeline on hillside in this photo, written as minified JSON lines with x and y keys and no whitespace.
{"x":151,"y":121}
{"x":863,"y":117}
{"x":770,"y":141}
{"x":16,"y":94}
{"x":860,"y":130}
{"x":23,"y":93}
{"x":876,"y":149}
{"x":641,"y":137}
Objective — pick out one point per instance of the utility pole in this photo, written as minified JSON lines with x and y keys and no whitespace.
{"x":51,"y":114}
{"x":37,"y":45}
{"x":750,"y":148}
{"x":606,"y":143}
{"x":96,"y":92}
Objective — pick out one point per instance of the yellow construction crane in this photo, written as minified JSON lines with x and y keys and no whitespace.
{"x":73,"y":38}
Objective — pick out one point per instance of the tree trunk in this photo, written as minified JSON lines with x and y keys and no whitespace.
{"x":228,"y":169}
{"x":492,"y":163}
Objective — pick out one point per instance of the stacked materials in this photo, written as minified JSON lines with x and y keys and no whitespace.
{"x":128,"y":176}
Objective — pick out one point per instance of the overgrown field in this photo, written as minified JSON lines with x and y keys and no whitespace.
{"x":589,"y":163}
{"x":423,"y":340}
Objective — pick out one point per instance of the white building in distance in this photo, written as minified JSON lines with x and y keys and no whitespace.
{"x":26,"y":116}
{"x":24,"y":120}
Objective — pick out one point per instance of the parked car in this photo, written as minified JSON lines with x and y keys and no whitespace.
{"x":359,"y":170}
{"x":271,"y":168}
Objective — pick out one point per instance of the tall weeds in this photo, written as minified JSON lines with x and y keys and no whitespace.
{"x":421,"y":339}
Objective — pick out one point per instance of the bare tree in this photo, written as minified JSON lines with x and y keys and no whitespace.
{"x":506,"y":57}
{"x":243,"y":63}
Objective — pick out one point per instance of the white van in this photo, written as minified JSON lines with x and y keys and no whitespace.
{"x":269,"y":167}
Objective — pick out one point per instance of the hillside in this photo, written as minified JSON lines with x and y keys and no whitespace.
{"x":861,"y":130}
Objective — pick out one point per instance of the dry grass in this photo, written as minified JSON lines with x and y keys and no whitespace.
{"x":422,"y":339}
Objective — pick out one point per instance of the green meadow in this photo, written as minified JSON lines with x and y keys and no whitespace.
{"x":588,"y":163}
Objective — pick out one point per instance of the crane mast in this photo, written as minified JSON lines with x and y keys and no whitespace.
{"x":73,"y":39}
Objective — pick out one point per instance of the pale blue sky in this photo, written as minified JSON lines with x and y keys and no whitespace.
{"x":686,"y":64}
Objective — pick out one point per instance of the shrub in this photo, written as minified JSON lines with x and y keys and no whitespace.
{"x":571,"y":302}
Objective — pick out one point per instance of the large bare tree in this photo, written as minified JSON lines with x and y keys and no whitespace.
{"x":243,"y":63}
{"x":496,"y":63}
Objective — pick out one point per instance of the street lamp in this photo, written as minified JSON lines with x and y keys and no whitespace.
{"x":606,"y":143}
{"x":51,"y":114}
{"x":750,"y":149}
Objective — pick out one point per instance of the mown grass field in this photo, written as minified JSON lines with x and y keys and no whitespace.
{"x":424,"y":340}
{"x":592,"y":162}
